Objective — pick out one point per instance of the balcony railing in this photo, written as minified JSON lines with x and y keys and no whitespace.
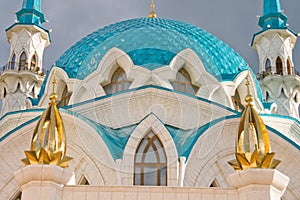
{"x":15,"y":67}
{"x":267,"y":73}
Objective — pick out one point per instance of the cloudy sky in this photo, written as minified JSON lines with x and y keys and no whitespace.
{"x":233,"y":21}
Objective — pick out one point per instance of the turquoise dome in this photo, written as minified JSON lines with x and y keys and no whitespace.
{"x":152,"y":43}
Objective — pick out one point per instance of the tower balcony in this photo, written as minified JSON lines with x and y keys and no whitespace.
{"x":15,"y":67}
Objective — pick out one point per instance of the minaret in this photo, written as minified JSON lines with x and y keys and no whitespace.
{"x":274,"y":44}
{"x":23,"y":76}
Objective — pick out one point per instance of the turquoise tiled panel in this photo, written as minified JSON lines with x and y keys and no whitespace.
{"x":151,"y":43}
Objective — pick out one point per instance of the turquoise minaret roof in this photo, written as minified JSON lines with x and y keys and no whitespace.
{"x":273,"y":18}
{"x":31,"y":13}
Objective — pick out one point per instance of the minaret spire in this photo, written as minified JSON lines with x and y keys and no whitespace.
{"x":152,"y":13}
{"x":273,"y":16}
{"x":31,"y":13}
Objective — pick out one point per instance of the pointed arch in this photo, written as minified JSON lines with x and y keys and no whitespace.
{"x":150,"y":162}
{"x":289,"y":67}
{"x":183,"y":82}
{"x":237,"y":102}
{"x":151,"y":123}
{"x":279,"y":64}
{"x":83,"y":181}
{"x":209,"y":86}
{"x":23,"y":61}
{"x":33,"y":63}
{"x":118,"y":83}
{"x":64,"y":97}
{"x":268,"y":68}
{"x":12,"y":64}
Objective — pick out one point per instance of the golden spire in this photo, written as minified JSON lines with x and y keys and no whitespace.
{"x":48,"y":143}
{"x":152,"y":13}
{"x":252,"y":124}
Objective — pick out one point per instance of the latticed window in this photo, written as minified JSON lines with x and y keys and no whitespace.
{"x":150,"y":167}
{"x":183,"y":83}
{"x":119,"y":82}
{"x":33,"y":62}
{"x":22,"y":61}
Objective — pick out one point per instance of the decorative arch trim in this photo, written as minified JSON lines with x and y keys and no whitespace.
{"x":151,"y":123}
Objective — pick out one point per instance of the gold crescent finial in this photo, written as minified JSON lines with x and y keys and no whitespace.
{"x":152,"y":13}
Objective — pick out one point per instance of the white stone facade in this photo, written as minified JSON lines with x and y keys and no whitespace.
{"x":196,"y":131}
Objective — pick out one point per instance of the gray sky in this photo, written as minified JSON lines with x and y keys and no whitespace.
{"x":233,"y":21}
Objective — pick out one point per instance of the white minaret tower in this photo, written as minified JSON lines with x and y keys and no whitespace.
{"x":23,"y":76}
{"x":274,"y":44}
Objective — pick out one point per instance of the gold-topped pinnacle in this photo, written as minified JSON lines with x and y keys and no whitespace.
{"x":249,"y":97}
{"x":48,"y":143}
{"x":251,"y":125}
{"x":53,"y":95}
{"x":152,"y":13}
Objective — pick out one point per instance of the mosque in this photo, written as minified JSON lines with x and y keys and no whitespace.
{"x":149,"y":108}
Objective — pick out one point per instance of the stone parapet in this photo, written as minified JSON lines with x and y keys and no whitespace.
{"x":42,"y":181}
{"x":256,"y":184}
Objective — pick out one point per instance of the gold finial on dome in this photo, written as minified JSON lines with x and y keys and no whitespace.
{"x":251,"y":125}
{"x":48,"y":143}
{"x":152,"y":13}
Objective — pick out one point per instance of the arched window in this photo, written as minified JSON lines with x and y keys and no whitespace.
{"x":279,"y":66}
{"x":183,"y":82}
{"x":267,"y":68}
{"x":237,"y":103}
{"x":33,"y":62}
{"x":13,"y":62}
{"x":289,"y":67}
{"x":22,"y":61}
{"x":150,"y":167}
{"x":119,"y":82}
{"x":65,"y":97}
